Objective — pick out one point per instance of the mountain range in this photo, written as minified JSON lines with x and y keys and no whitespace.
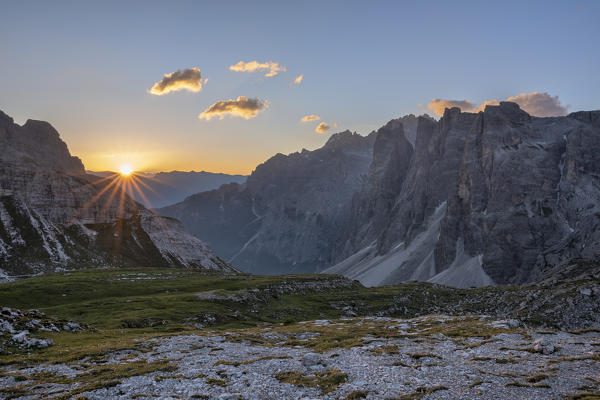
{"x":488,"y":198}
{"x":54,"y":215}
{"x":474,"y":199}
{"x":166,"y":188}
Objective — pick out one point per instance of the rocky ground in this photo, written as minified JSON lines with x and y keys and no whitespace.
{"x":16,"y":326}
{"x":430,"y":357}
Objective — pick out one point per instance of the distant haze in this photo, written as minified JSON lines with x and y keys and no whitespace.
{"x":166,"y":188}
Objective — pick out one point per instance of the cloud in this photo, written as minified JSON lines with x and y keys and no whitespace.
{"x":308,"y":118}
{"x":540,"y":104}
{"x":298,"y":80}
{"x":439,"y":105}
{"x":272,"y":68}
{"x":187,"y":79}
{"x":322,"y":128}
{"x":240,"y":107}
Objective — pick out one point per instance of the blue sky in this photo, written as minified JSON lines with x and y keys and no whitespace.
{"x":86,"y":67}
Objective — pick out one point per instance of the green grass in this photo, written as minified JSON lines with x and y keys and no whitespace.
{"x":106,"y":299}
{"x":126,"y":311}
{"x":327,"y":380}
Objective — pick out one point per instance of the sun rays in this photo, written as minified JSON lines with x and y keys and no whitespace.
{"x":116,"y":196}
{"x":118,"y":200}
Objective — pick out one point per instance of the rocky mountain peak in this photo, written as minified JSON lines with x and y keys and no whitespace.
{"x":508,"y":110}
{"x":36,"y":142}
{"x":54,"y":215}
{"x":343,"y":139}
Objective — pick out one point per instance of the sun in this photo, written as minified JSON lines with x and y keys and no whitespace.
{"x":125,"y":170}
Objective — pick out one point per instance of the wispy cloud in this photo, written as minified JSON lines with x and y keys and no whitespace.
{"x":308,"y":118}
{"x":189,"y":79}
{"x":322,"y":128}
{"x":241,"y":107}
{"x":271,"y":68}
{"x":297,"y":80}
{"x":540,"y":104}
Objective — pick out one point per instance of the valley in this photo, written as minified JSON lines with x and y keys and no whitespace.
{"x":173,"y":333}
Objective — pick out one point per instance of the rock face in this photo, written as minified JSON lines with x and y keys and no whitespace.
{"x":520,"y":195}
{"x":285,"y":217}
{"x":52,"y":214}
{"x":474,"y":199}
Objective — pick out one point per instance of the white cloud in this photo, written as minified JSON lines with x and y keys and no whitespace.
{"x":241,"y":107}
{"x":308,"y":118}
{"x":189,"y":79}
{"x":271,"y":68}
{"x":298,"y":80}
{"x":539,"y":104}
{"x":322,"y":128}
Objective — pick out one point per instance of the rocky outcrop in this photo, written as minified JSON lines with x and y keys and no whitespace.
{"x":284,"y":217}
{"x":54,"y":215}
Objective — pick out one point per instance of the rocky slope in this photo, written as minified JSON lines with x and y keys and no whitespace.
{"x":432,"y":357}
{"x":284,"y":217}
{"x":54,"y":215}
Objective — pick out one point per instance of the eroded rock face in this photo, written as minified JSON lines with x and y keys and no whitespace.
{"x":371,"y":207}
{"x":54,"y":215}
{"x":527,"y":196}
{"x":521,"y":194}
{"x":495,"y":197}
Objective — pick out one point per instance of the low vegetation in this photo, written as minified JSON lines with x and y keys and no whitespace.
{"x":327,"y":380}
{"x":126,"y":307}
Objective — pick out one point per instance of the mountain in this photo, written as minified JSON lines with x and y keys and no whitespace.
{"x":283,"y":219}
{"x":54,"y":215}
{"x":166,"y":188}
{"x":474,"y":199}
{"x":495,"y":197}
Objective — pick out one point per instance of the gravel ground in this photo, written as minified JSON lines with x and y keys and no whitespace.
{"x":516,"y":364}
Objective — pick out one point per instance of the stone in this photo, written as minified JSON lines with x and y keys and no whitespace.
{"x":543,"y":346}
{"x":310,"y":360}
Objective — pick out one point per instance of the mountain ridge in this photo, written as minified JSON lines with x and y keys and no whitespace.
{"x":54,"y":215}
{"x":415,"y":210}
{"x":166,"y":188}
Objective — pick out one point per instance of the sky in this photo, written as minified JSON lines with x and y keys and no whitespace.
{"x":96,"y":71}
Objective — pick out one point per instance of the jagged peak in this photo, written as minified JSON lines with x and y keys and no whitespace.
{"x":339,"y":137}
{"x":5,"y":118}
{"x":509,"y":110}
{"x":40,"y":141}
